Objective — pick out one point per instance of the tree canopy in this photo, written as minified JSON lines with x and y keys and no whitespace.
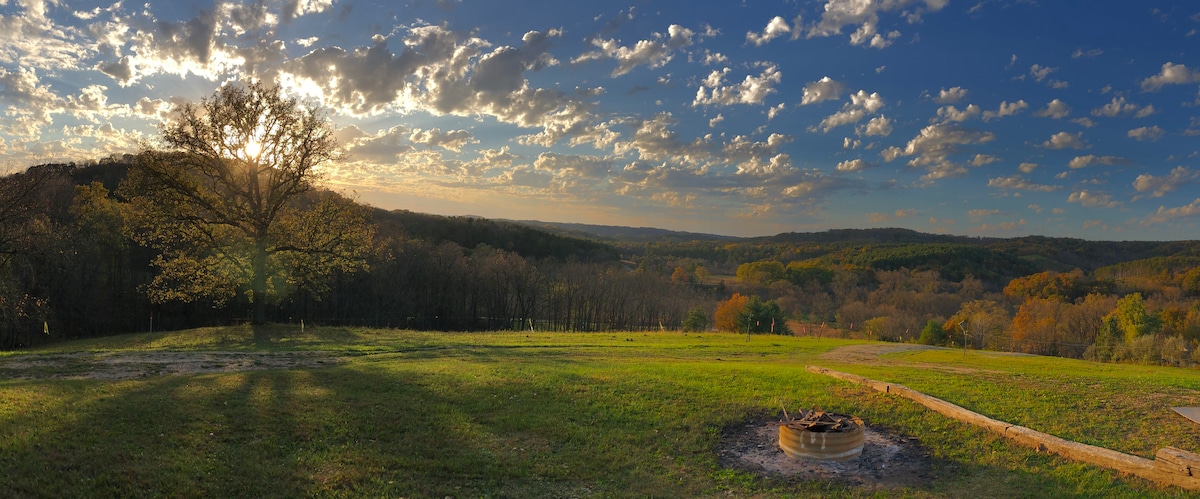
{"x":228,"y":200}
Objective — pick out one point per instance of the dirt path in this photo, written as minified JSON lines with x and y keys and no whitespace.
{"x":132,"y":365}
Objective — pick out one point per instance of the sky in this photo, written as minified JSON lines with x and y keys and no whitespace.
{"x":1001,"y":118}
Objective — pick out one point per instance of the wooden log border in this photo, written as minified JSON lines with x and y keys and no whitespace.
{"x":1171,"y":466}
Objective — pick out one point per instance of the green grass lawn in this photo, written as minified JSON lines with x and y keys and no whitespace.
{"x":553,"y":415}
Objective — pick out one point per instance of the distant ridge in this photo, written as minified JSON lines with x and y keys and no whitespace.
{"x":625,"y":234}
{"x":1011,"y":255}
{"x":869,"y":236}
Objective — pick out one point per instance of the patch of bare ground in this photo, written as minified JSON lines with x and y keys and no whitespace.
{"x":132,"y":365}
{"x":888,"y":461}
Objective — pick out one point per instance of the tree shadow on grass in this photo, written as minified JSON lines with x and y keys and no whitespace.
{"x":481,"y":422}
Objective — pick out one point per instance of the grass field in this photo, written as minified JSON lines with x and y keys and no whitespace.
{"x":409,"y":414}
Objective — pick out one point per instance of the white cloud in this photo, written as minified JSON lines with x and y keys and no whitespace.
{"x":1091,"y":159}
{"x":951,"y":113}
{"x":932,"y":148}
{"x":527,"y":176}
{"x":775,"y":110}
{"x":712,"y":123}
{"x":1040,"y":73}
{"x":839,"y":14}
{"x":752,"y":90}
{"x":1150,"y":133}
{"x":442,"y":73}
{"x":822,"y":90}
{"x":1165,"y":214}
{"x":713,"y":58}
{"x":757,"y":158}
{"x":210,"y":45}
{"x":30,"y":104}
{"x":983,"y":159}
{"x":1093,"y":199}
{"x":1171,"y":74}
{"x":652,"y":53}
{"x":452,"y":140}
{"x":1065,"y":140}
{"x":1084,"y":122}
{"x":1160,"y":186}
{"x":878,"y":126}
{"x":31,"y":40}
{"x":777,"y":27}
{"x":1021,"y":184}
{"x":1056,"y":109}
{"x":860,"y":106}
{"x":1027,"y":167}
{"x":950,"y":95}
{"x":654,"y":140}
{"x":1119,"y":107}
{"x":593,"y":167}
{"x":867,"y":35}
{"x":296,"y":8}
{"x":1086,"y":53}
{"x":1005,"y":109}
{"x":490,"y":159}
{"x":383,"y":147}
{"x":151,"y":109}
{"x":853,"y":165}
{"x":368,"y":80}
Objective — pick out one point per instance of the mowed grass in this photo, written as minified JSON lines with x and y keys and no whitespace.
{"x":1119,"y":406}
{"x":549,"y":415}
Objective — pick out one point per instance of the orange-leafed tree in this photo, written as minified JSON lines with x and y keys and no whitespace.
{"x":1035,"y":326}
{"x":728,"y":311}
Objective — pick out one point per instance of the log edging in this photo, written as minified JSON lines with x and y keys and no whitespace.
{"x":1171,"y":466}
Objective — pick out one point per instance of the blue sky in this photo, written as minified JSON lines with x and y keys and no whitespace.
{"x":989,"y":118}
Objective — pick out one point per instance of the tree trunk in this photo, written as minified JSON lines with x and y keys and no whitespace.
{"x":259,"y":284}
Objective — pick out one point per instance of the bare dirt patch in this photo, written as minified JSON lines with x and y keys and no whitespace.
{"x":132,"y":365}
{"x":887,"y":461}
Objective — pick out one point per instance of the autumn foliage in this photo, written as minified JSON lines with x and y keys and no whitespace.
{"x":726,"y":315}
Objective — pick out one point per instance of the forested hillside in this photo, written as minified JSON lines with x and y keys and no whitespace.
{"x":72,"y":267}
{"x":1106,"y":300}
{"x":471,"y":232}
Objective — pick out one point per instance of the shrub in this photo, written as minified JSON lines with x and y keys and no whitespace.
{"x":1140,"y":350}
{"x":1174,"y":351}
{"x":932,"y":334}
{"x":762,"y":317}
{"x":696,"y":320}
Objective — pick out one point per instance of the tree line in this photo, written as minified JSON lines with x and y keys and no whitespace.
{"x":71,"y":266}
{"x":1154,"y":318}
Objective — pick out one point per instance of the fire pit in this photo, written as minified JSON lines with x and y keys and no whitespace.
{"x":823,"y":436}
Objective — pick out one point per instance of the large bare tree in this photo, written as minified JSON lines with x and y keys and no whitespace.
{"x":228,"y":198}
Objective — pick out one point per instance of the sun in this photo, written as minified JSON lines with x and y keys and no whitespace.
{"x":252,"y":149}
